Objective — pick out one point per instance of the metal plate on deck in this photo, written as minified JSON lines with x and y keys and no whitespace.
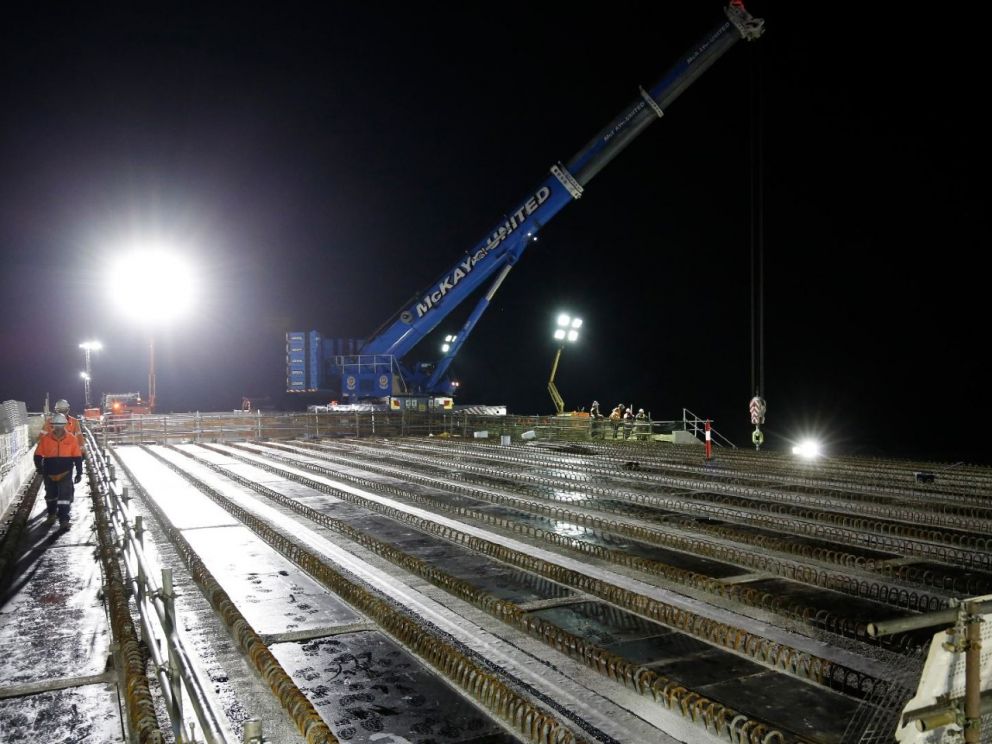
{"x":78,"y":714}
{"x":368,"y":689}
{"x":272,"y":593}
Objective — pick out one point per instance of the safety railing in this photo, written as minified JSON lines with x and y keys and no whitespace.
{"x":691,"y":422}
{"x":258,"y":425}
{"x":178,"y":678}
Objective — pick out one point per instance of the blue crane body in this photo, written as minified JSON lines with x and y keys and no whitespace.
{"x":354,"y":369}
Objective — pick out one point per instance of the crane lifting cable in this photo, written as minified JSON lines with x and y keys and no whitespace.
{"x":757,"y":406}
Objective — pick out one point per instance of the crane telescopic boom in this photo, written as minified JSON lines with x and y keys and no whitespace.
{"x":377,"y":367}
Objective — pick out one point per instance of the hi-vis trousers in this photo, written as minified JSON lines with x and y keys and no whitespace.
{"x":59,"y":495}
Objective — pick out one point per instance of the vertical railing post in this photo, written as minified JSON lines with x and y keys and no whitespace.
{"x":973,"y":675}
{"x":175,"y":680}
{"x":253,"y":731}
{"x":139,"y":531}
{"x":709,"y":442}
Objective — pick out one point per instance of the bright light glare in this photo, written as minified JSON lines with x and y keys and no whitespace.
{"x":808,"y":449}
{"x":449,"y":338}
{"x":445,"y":348}
{"x":560,"y":334}
{"x":577,"y":323}
{"x":84,"y":375}
{"x":152,"y":286}
{"x":564,"y":320}
{"x":573,"y":335}
{"x":91,"y":345}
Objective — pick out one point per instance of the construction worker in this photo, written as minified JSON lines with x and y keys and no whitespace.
{"x":54,"y":457}
{"x":616,"y":416}
{"x":73,"y":427}
{"x":628,"y":422}
{"x":641,"y":424}
{"x":595,"y":420}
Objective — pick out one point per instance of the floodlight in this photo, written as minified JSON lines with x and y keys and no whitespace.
{"x":808,"y":449}
{"x":152,"y":285}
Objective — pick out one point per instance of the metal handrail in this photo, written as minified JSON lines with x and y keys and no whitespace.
{"x":177,"y":675}
{"x":262,"y":425}
{"x":698,"y":424}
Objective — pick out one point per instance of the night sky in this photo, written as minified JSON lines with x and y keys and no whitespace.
{"x":321,"y":166}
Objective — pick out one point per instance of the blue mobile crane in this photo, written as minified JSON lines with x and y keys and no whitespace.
{"x":357,"y":369}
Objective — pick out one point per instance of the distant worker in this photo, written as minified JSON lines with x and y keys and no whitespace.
{"x":628,"y":422}
{"x":595,"y":420}
{"x":54,"y":457}
{"x":616,"y":416}
{"x":641,"y":426}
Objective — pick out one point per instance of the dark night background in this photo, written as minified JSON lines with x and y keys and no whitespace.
{"x":321,"y":166}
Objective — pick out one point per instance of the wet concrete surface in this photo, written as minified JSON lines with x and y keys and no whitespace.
{"x":485,"y":573}
{"x":809,"y":710}
{"x":79,"y":715}
{"x":612,"y":541}
{"x":184,"y":506}
{"x":494,"y":577}
{"x":52,"y":623}
{"x":600,"y":623}
{"x":631,"y":509}
{"x":367,"y":688}
{"x":272,"y":593}
{"x":234,"y":683}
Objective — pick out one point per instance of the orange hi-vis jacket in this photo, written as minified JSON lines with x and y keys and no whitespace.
{"x":56,"y":457}
{"x":72,"y":427}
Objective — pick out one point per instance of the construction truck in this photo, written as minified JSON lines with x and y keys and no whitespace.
{"x":377,"y":368}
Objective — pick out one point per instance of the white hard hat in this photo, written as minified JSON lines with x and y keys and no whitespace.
{"x":640,"y":410}
{"x":62,"y":405}
{"x":59,"y":419}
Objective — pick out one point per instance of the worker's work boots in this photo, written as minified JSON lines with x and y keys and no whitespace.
{"x":50,"y":520}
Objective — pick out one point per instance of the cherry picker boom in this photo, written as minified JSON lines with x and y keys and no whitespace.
{"x":354,"y":369}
